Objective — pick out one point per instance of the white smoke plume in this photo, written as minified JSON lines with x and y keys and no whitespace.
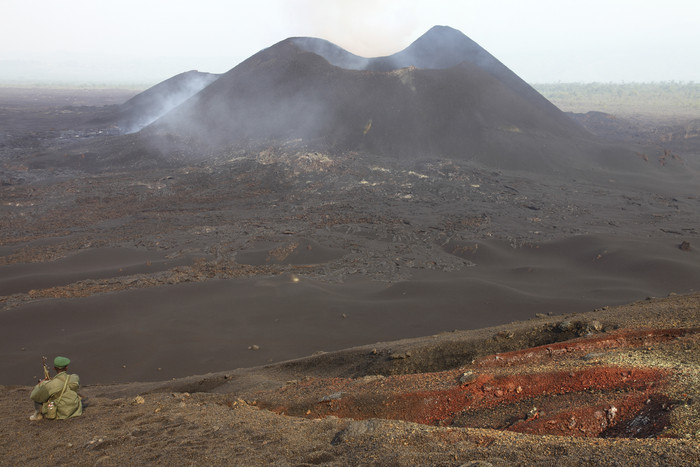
{"x":158,"y":100}
{"x":369,"y":28}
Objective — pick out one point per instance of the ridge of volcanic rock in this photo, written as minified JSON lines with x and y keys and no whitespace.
{"x":439,"y":48}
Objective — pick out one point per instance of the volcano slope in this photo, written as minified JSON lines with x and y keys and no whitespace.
{"x":471,"y":108}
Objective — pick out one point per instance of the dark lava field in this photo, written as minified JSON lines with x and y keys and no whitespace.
{"x":309,"y":200}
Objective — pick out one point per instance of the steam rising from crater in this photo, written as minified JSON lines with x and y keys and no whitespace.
{"x":368,"y":28}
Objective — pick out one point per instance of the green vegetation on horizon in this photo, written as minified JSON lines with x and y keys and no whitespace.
{"x":668,"y":98}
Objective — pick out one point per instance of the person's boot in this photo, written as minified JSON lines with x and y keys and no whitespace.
{"x":36,"y":417}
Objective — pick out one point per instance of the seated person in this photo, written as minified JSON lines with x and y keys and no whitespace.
{"x":57,"y":398}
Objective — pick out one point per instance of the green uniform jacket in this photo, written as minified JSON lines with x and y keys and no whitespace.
{"x":69,"y":405}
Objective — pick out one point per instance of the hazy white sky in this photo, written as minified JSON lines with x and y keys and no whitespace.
{"x":147,"y":41}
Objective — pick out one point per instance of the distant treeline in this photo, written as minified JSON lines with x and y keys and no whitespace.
{"x":671,"y":98}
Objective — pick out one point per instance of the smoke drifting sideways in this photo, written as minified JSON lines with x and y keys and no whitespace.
{"x":148,"y":106}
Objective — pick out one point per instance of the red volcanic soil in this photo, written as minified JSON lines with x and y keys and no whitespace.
{"x":521,"y":393}
{"x":408,"y":398}
{"x":612,"y":340}
{"x":623,"y":396}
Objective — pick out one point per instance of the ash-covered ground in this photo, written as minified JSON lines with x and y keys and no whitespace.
{"x":292,"y":251}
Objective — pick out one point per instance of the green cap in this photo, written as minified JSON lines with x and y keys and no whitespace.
{"x":60,"y":362}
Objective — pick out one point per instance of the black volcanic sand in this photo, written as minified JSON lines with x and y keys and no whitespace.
{"x":88,"y":264}
{"x":177,"y":330}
